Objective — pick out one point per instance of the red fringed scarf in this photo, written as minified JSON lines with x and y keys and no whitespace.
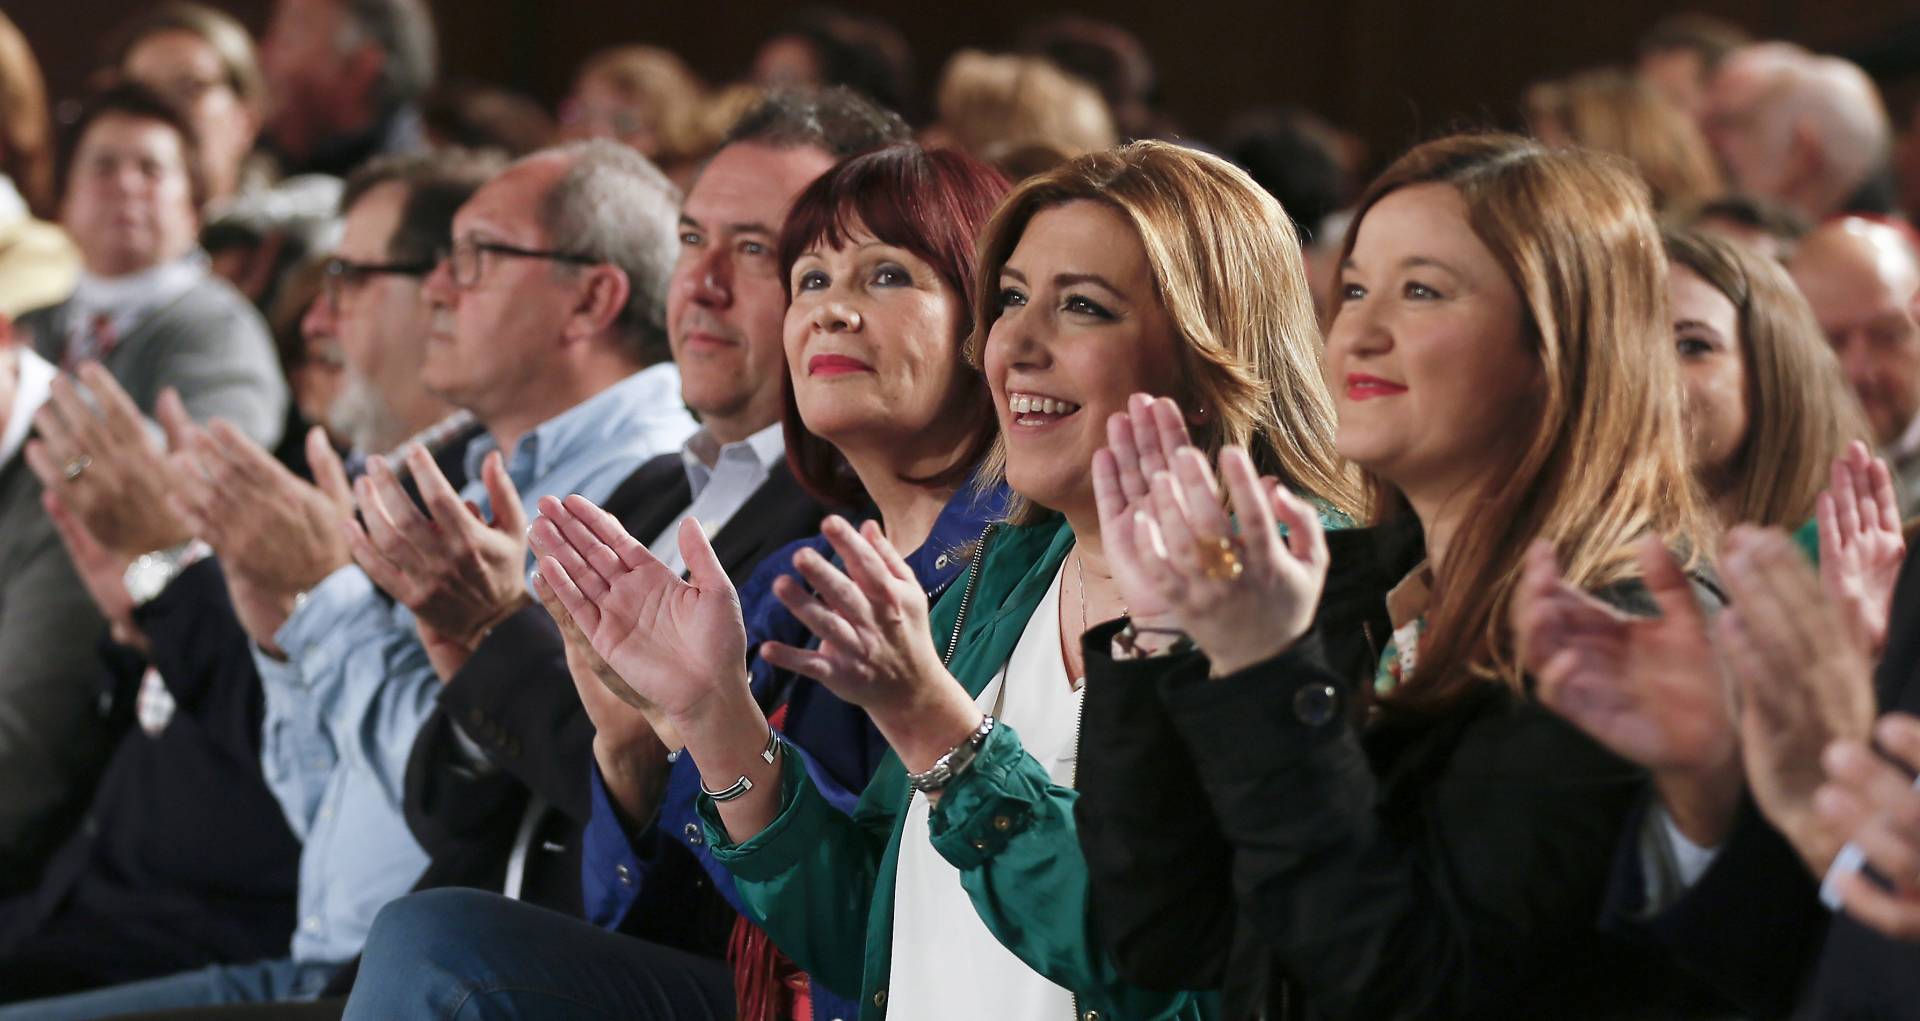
{"x":766,"y":985}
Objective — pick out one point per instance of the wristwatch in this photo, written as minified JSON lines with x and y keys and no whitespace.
{"x":151,"y":573}
{"x":954,"y":762}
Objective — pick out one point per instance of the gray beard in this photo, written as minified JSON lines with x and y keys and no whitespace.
{"x":361,"y":415}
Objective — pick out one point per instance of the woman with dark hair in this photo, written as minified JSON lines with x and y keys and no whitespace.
{"x":885,"y":420}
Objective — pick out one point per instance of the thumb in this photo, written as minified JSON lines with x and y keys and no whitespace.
{"x":328,"y":472}
{"x":703,"y":565}
{"x":1669,"y":586}
{"x":508,"y":515}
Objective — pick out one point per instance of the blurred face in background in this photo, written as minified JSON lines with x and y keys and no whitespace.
{"x":187,"y":71}
{"x":1862,"y":280}
{"x":129,"y":201}
{"x":1706,"y":332}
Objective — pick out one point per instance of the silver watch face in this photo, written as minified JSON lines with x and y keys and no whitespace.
{"x":147,"y":577}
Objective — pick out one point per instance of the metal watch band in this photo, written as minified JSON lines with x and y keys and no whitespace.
{"x":743,"y":785}
{"x":954,"y":762}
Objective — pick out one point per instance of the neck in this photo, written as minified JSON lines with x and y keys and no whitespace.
{"x":907,"y":509}
{"x":406,"y":422}
{"x":1104,"y":600}
{"x":727,"y":429}
{"x":1440,"y":513}
{"x":541,"y":400}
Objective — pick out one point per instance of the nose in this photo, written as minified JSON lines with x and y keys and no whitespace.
{"x":438,"y":288}
{"x":711,"y":282}
{"x":319,"y":321}
{"x":1358,"y":332}
{"x":836,"y":317}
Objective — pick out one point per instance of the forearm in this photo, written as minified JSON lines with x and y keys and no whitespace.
{"x":634,"y":774}
{"x":728,"y":738}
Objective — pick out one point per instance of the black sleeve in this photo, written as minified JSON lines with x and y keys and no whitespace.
{"x":515,"y":700}
{"x":1463,"y":883}
{"x":1162,"y":901}
{"x":1749,"y":929}
{"x":206,"y":659}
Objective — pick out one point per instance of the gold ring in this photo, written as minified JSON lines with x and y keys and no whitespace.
{"x":1219,"y":559}
{"x":77,"y":467}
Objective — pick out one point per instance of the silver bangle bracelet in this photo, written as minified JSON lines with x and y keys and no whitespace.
{"x":954,"y":762}
{"x":743,"y":785}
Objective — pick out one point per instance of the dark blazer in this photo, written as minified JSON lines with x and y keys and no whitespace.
{"x":1320,"y":860}
{"x":53,"y":739}
{"x":210,"y":344}
{"x":1754,"y":926}
{"x":516,"y":700}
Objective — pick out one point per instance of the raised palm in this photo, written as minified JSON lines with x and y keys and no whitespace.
{"x":1140,"y":445}
{"x":1650,"y":689}
{"x":674,"y":643}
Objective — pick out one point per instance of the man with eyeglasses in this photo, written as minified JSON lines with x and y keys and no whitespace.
{"x":162,"y":877}
{"x":560,"y":354}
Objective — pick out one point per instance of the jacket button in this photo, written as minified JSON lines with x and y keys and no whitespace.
{"x":1092,"y":1015}
{"x":880,"y":998}
{"x":625,"y":874}
{"x":979,"y":845}
{"x":693,"y":835}
{"x":1316,"y":704}
{"x":1002,"y":823}
{"x":940,"y":562}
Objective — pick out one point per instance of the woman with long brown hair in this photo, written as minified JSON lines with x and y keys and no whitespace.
{"x":1316,"y":773}
{"x":1613,"y":111}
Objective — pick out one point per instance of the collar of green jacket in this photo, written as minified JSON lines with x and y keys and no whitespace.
{"x":1009,"y":577}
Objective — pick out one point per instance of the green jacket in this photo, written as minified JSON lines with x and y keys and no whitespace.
{"x":821,"y":883}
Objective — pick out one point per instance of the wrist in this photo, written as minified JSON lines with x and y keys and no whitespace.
{"x":931,"y":726}
{"x":1701,"y":802}
{"x":1225,"y":659}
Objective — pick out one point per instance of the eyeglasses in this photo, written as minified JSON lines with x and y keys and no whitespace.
{"x":464,"y":258}
{"x":341,"y":274}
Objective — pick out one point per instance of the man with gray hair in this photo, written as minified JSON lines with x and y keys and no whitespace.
{"x":343,"y":80}
{"x":1805,"y":131}
{"x":550,"y":329}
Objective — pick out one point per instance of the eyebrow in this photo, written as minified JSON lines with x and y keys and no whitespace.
{"x":1409,"y":262}
{"x":1695,"y":324}
{"x":737,"y":228}
{"x":1065,"y":279}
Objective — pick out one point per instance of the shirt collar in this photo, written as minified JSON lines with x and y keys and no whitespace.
{"x":149,"y":288}
{"x":31,"y":389}
{"x":651,"y":394}
{"x":768,"y":447}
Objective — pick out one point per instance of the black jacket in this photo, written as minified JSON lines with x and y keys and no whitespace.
{"x":1241,"y":834}
{"x":516,"y":701}
{"x":1753,"y":925}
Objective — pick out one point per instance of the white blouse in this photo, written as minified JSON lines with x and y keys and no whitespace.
{"x":946,"y":965}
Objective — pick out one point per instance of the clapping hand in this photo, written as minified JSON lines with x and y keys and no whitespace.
{"x":460,"y":574}
{"x":1804,"y":679}
{"x":1650,"y":689}
{"x":1872,"y":800}
{"x":1861,"y":544}
{"x":674,"y":644}
{"x":101,"y":463}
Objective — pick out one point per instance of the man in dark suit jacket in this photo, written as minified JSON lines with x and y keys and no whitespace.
{"x":147,"y":306}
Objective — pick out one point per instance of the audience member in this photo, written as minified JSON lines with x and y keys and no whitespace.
{"x":472,"y":115}
{"x":1612,"y":111}
{"x":345,"y":77}
{"x":826,"y":46}
{"x":1763,"y":228}
{"x":1111,"y":59}
{"x":1299,"y":807}
{"x":1679,"y":55}
{"x":260,"y":236}
{"x":145,"y":306}
{"x":202,"y":61}
{"x":128,"y":896}
{"x":1294,"y":155}
{"x":1862,"y":278}
{"x":1806,"y":131}
{"x":1767,"y":408}
{"x":53,"y":739}
{"x":38,"y":264}
{"x":645,"y":97}
{"x":997,"y":107}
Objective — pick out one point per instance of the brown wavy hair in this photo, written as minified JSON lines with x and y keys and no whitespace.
{"x":1600,"y":459}
{"x":26,"y":131}
{"x":1801,"y":413}
{"x":1614,"y":111}
{"x":1227,"y":268}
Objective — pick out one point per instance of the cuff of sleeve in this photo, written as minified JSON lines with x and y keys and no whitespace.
{"x":990,"y":804}
{"x":788,"y":839}
{"x":322,"y":610}
{"x":284,"y":675}
{"x":611,"y":869}
{"x":1249,"y":722}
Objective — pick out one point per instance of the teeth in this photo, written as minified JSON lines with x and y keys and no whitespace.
{"x":1023,"y":404}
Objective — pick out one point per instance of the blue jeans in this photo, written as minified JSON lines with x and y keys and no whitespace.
{"x":218,"y":985}
{"x":468,"y":955}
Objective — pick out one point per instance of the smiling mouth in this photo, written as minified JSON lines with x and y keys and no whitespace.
{"x":1033,"y":410}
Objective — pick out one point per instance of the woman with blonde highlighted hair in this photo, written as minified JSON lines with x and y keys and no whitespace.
{"x":1314,"y":770}
{"x":957,"y":889}
{"x":1008,"y":109}
{"x":1613,"y":111}
{"x":38,"y":263}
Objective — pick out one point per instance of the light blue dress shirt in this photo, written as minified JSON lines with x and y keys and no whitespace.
{"x":343,"y":710}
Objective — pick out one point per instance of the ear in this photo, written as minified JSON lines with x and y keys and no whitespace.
{"x":1805,"y":165}
{"x":601,"y":297}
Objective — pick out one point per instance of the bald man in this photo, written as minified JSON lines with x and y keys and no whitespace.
{"x":1862,"y":278}
{"x":1805,"y":131}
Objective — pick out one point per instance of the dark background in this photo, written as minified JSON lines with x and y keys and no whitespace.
{"x":1391,"y":70}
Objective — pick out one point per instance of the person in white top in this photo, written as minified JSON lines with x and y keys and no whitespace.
{"x":970,"y":901}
